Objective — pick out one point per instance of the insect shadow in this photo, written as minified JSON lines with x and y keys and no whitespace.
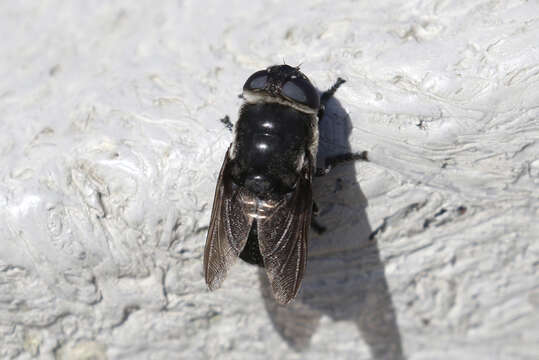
{"x":345,"y":278}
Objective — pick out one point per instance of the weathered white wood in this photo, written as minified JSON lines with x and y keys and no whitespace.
{"x":110,"y":146}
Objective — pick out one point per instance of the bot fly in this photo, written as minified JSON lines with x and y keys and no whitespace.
{"x":263,"y":200}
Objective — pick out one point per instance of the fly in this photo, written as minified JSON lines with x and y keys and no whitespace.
{"x":263,"y":199}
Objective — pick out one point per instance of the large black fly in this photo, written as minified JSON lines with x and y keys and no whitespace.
{"x":263,"y":200}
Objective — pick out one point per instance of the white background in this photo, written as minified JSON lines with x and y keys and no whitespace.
{"x":110,"y":146}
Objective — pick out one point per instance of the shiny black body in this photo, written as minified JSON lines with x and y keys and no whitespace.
{"x":270,"y":140}
{"x":263,"y":199}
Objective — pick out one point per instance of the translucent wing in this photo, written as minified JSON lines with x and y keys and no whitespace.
{"x":229,"y":227}
{"x":282,"y":236}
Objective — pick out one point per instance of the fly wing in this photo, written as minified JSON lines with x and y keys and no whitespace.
{"x":282,"y":236}
{"x":229,"y":227}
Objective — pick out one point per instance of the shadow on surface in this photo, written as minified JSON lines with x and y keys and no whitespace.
{"x":345,"y":278}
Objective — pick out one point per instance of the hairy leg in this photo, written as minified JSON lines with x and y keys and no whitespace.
{"x":332,"y":161}
{"x":328,"y":94}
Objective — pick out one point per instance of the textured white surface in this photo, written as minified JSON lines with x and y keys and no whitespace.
{"x":110,"y":146}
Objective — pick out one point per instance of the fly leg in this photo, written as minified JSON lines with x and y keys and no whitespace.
{"x":335,"y":160}
{"x":331,"y":161}
{"x":227,"y":123}
{"x":328,"y":94}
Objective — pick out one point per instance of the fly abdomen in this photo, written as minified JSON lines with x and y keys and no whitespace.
{"x":251,"y":251}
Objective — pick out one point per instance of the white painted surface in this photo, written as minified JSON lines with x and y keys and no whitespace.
{"x":110,"y":148}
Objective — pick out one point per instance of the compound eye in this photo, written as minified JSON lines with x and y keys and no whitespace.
{"x":302,"y":92}
{"x":257,"y":81}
